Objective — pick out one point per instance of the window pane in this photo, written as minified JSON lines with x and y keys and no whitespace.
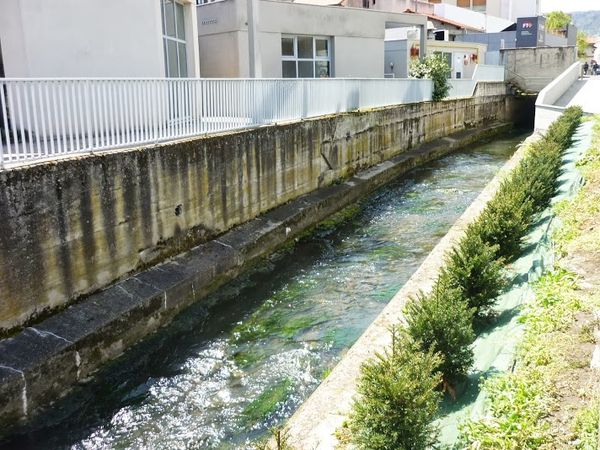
{"x":169,"y":18}
{"x":287,"y":46}
{"x":180,"y":21}
{"x":305,"y":47}
{"x":322,"y":47}
{"x":172,"y":66}
{"x":288,"y":69}
{"x":322,"y":69}
{"x":165,"y":55}
{"x":182,"y":60}
{"x":163,"y":5}
{"x":464,"y":3}
{"x":305,"y":69}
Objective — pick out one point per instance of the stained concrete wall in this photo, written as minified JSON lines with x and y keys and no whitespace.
{"x":73,"y":226}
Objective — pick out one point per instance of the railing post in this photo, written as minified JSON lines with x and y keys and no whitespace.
{"x":4,"y":124}
{"x":88,"y":115}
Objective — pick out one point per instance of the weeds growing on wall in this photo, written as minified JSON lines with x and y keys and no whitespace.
{"x":399,"y":390}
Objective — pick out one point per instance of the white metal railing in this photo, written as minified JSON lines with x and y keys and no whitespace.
{"x":47,"y":118}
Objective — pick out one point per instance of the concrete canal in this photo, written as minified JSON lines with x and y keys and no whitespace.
{"x":220,"y":376}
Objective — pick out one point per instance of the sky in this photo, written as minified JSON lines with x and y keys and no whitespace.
{"x":570,"y":5}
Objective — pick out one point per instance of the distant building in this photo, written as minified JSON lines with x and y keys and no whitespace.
{"x":462,"y":57}
{"x":107,"y":38}
{"x":504,"y":9}
{"x":508,"y":10}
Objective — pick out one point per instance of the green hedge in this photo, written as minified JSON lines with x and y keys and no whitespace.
{"x":399,"y":390}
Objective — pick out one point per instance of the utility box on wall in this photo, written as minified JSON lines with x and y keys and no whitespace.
{"x":531,"y":31}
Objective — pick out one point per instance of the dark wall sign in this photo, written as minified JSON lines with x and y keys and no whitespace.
{"x":531,"y":31}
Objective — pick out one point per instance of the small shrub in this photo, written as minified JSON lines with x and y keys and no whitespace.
{"x":441,"y":322}
{"x":505,"y":220}
{"x":398,"y":398}
{"x":437,"y":69}
{"x":562,"y":129}
{"x":473,"y":269}
{"x":537,"y":173}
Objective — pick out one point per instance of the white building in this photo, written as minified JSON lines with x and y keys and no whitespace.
{"x":504,"y":9}
{"x":491,"y":15}
{"x":106,"y":38}
{"x":273,"y":39}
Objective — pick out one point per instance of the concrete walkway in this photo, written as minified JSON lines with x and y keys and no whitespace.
{"x":585,"y":92}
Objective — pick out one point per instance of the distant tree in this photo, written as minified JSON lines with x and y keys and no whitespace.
{"x":557,"y":20}
{"x":581,"y":44}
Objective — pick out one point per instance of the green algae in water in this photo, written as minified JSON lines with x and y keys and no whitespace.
{"x":266,"y":403}
{"x":340,"y":217}
{"x":261,"y":326}
{"x":341,"y":337}
{"x":246,"y":358}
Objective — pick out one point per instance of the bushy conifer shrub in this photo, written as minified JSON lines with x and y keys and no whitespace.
{"x":562,"y":129}
{"x":504,"y":222}
{"x":537,"y":173}
{"x":473,"y":268}
{"x":398,"y":398}
{"x":442,"y":322}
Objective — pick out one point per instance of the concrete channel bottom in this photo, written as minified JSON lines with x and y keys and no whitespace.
{"x":42,"y":362}
{"x":314,"y":424}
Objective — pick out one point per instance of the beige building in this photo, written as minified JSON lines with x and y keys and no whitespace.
{"x":273,"y":39}
{"x":462,"y":57}
{"x":107,"y":38}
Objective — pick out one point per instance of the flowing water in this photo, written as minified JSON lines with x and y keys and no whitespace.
{"x":220,"y":376}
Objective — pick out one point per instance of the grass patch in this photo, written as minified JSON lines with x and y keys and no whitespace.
{"x":585,"y":426}
{"x":579,"y":228}
{"x":519,"y":402}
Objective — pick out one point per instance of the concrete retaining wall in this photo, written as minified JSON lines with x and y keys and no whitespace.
{"x":532,"y":69}
{"x":74,"y":226}
{"x":545,"y":111}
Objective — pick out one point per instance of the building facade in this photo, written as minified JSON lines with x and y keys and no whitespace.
{"x":108,"y":38}
{"x":274,"y":39}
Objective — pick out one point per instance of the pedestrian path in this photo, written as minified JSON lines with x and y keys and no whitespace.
{"x":585,"y":93}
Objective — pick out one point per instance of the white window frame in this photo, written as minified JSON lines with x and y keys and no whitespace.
{"x":173,"y":39}
{"x":314,"y":58}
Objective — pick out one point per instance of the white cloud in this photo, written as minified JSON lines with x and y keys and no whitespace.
{"x":571,"y":5}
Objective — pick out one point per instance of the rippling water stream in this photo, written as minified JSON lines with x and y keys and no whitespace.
{"x":220,"y":376}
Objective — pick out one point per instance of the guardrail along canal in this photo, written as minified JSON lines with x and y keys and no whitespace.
{"x":220,"y":376}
